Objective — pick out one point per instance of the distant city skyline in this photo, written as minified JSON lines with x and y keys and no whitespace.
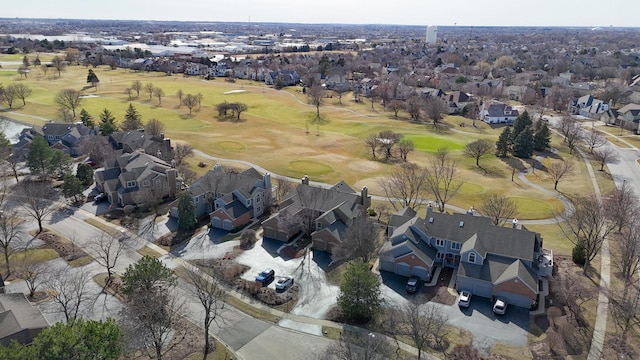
{"x":587,"y":13}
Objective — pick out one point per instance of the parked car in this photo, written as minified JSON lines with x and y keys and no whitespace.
{"x":412,"y":285}
{"x":464,"y":300}
{"x":100,"y":197}
{"x":500,"y":307}
{"x":284,"y":283}
{"x":266,"y":277}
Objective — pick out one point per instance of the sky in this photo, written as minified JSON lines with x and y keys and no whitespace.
{"x":589,"y":13}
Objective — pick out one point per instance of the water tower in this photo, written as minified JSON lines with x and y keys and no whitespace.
{"x":432,"y":34}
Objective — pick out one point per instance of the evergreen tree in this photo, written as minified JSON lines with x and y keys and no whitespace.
{"x":503,"y":145}
{"x":38,"y":156}
{"x":132,"y":119}
{"x":72,"y":187}
{"x":359,"y":296}
{"x":86,"y":118}
{"x":85,"y":174}
{"x":542,"y":137}
{"x":522,"y":122}
{"x":92,"y":78}
{"x":107,"y":123}
{"x":523,"y":145}
{"x":186,"y":211}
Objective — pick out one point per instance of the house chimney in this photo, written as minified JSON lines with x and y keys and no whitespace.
{"x":172,"y":181}
{"x":217,"y":167}
{"x":161,"y":135}
{"x":365,"y":199}
{"x":515,"y":223}
{"x":305,"y":180}
{"x":429,"y":208}
{"x":471,"y":211}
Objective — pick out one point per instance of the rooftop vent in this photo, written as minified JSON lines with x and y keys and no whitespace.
{"x":461,"y":224}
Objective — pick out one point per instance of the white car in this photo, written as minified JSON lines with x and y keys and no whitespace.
{"x":500,"y":307}
{"x":284,"y":283}
{"x":465,"y":299}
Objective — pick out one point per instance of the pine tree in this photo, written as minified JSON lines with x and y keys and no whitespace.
{"x":542,"y":138}
{"x":522,"y":122}
{"x":132,"y":119}
{"x":107,"y":123}
{"x":186,"y":211}
{"x":523,"y":145}
{"x":92,"y":78}
{"x":87,"y":119}
{"x":503,"y":145}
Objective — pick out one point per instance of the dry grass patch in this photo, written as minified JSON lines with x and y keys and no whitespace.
{"x":147,"y":251}
{"x":511,"y":351}
{"x":102,"y":226}
{"x":251,"y":310}
{"x":65,"y":248}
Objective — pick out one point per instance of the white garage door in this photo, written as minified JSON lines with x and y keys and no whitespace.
{"x":227,"y":224}
{"x":515,"y":299}
{"x":422,"y":273}
{"x":216,"y":222}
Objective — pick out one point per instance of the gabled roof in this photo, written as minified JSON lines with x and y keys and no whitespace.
{"x":500,"y":110}
{"x":226,"y":182}
{"x":518,"y":270}
{"x":17,"y":314}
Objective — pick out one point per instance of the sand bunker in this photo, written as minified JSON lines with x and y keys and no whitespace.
{"x":234,"y":92}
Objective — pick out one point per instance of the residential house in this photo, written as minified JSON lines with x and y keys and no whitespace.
{"x":629,"y":117}
{"x":133,"y":178}
{"x":19,"y":320}
{"x":588,"y":106}
{"x":284,"y":77}
{"x":456,"y":101}
{"x":230,"y":199}
{"x":130,"y":141}
{"x":65,"y":137}
{"x":498,"y":113}
{"x":330,"y":211}
{"x":489,"y":260}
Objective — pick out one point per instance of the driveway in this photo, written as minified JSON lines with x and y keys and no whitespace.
{"x":486,"y":327}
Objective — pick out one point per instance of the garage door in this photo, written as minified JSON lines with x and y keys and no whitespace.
{"x":216,"y":222}
{"x":227,"y":224}
{"x":515,"y":299}
{"x":480,"y":289}
{"x":403,"y":269}
{"x":422,"y":273}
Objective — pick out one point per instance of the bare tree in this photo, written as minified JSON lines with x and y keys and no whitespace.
{"x":414,"y":107}
{"x":206,"y":289}
{"x":154,"y":127}
{"x":36,"y":198}
{"x":190,"y":101}
{"x":59,"y":64}
{"x":477,"y":149}
{"x":284,"y":188}
{"x":434,"y":110}
{"x":32,"y":273}
{"x":372,"y":143}
{"x":406,"y":186}
{"x":498,"y":208}
{"x":149,"y":88}
{"x":387,"y":139}
{"x":594,"y":140}
{"x":69,"y":290}
{"x":11,"y":230}
{"x":587,"y":226}
{"x":188,"y":176}
{"x":97,"y":147}
{"x":558,"y":169}
{"x":69,"y":99}
{"x":396,"y":106}
{"x":622,"y":207}
{"x":13,"y":161}
{"x":604,"y":156}
{"x":159,"y":94}
{"x":129,"y":92}
{"x":181,"y":152}
{"x":441,"y":178}
{"x":136,"y":86}
{"x":106,"y":251}
{"x":315,"y":96}
{"x":627,"y":248}
{"x":360,"y":241}
{"x":358,"y":346}
{"x":573,"y":295}
{"x":625,"y":307}
{"x":21,"y":91}
{"x":405,"y":146}
{"x":424,"y":324}
{"x":572,"y":132}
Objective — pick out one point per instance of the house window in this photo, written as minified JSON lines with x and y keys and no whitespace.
{"x":439,"y":242}
{"x":131,"y":184}
{"x":319,"y":225}
{"x":145,"y":183}
{"x":455,"y":246}
{"x":258,"y":198}
{"x":440,"y":255}
{"x":472,"y":257}
{"x":197,"y":199}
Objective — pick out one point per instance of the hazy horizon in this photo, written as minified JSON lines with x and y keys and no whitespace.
{"x":543,"y":13}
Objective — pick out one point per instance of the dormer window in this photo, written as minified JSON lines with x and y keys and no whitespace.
{"x":472,"y":257}
{"x":455,"y":246}
{"x":131,"y":184}
{"x":440,"y":242}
